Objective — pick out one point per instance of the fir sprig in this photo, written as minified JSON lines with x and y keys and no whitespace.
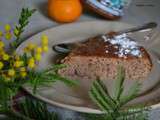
{"x":36,"y":110}
{"x":46,"y":77}
{"x":11,"y":79}
{"x":142,"y":114}
{"x":113,"y":106}
{"x":29,"y":109}
{"x":20,"y":27}
{"x":35,"y":79}
{"x":8,"y":90}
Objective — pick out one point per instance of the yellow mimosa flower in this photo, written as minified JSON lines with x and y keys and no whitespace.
{"x":31,"y":59}
{"x":31,"y":63}
{"x":2,"y":52}
{"x":8,"y":36}
{"x":45,"y":48}
{"x":1,"y":33}
{"x":5,"y":56}
{"x":31,"y":46}
{"x":17,"y":57}
{"x":18,"y":63}
{"x":21,"y":63}
{"x":16,"y":32}
{"x":1,"y":44}
{"x":7,"y":27}
{"x":39,"y":50}
{"x":44,"y":40}
{"x":23,"y":74}
{"x":22,"y":69}
{"x":11,"y":72}
{"x":1,"y":65}
{"x":38,"y":57}
{"x":26,"y":50}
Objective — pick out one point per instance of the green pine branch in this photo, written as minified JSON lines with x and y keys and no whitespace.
{"x":35,"y":79}
{"x":47,"y":77}
{"x":113,"y":106}
{"x":132,"y":93}
{"x":36,"y":110}
{"x":29,"y":109}
{"x":26,"y":13}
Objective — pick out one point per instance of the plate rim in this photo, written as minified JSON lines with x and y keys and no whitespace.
{"x":63,"y":105}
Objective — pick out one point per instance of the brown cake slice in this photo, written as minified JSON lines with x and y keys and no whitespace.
{"x":99,"y":57}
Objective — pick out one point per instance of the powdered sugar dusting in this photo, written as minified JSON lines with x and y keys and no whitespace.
{"x":126,"y":45}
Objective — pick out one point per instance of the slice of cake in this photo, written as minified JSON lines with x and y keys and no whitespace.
{"x":99,"y":57}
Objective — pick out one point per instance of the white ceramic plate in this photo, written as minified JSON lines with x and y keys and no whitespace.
{"x":77,"y":98}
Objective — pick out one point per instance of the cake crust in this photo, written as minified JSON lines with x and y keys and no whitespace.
{"x":97,"y":47}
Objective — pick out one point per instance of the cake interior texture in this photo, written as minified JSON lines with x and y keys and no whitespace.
{"x":99,"y":58}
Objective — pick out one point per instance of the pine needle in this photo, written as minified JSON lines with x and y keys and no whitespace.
{"x":22,"y":23}
{"x":34,"y":110}
{"x":112,"y":106}
{"x":132,"y":93}
{"x":48,"y":77}
{"x":118,"y":89}
{"x":100,"y":91}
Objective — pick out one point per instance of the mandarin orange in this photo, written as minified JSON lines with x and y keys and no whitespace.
{"x":64,"y":10}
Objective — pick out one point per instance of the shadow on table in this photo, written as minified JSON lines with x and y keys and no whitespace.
{"x":42,"y":8}
{"x":91,"y":13}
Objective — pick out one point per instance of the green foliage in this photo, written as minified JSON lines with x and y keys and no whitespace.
{"x":8,"y":90}
{"x":142,"y":114}
{"x":132,"y":93}
{"x":113,"y":106}
{"x":46,"y":77}
{"x":34,"y":78}
{"x":22,"y":23}
{"x":29,"y":109}
{"x":36,"y":110}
